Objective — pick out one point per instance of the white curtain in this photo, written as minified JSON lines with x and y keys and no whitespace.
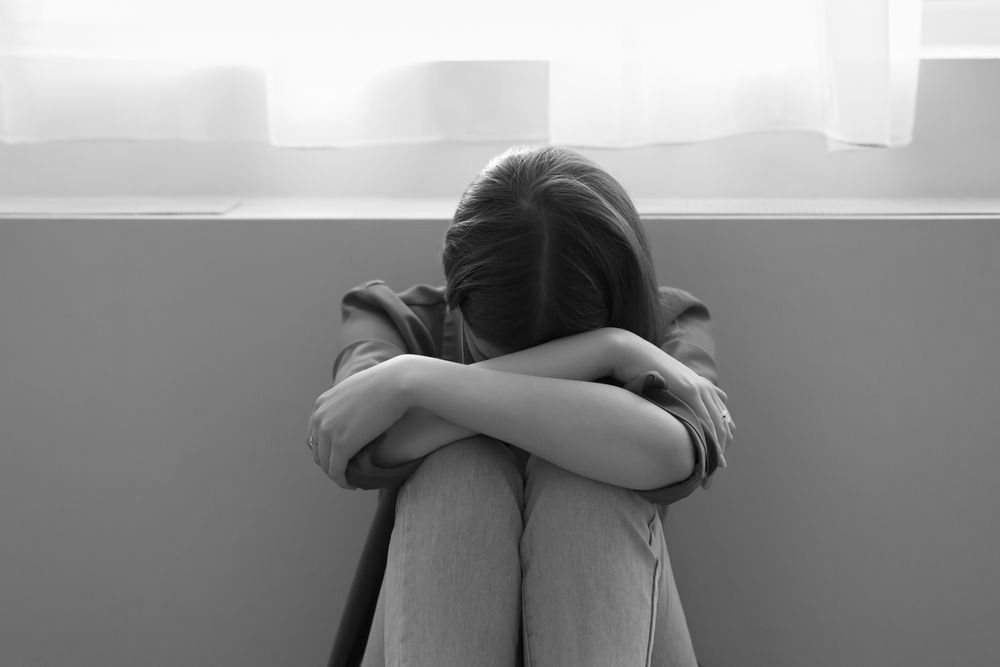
{"x":317,"y":73}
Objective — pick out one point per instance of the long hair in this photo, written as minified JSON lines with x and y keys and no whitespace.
{"x":546,"y":244}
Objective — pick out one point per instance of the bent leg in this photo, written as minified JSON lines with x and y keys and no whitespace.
{"x":672,"y":645}
{"x":452,"y":582}
{"x":592,"y":556}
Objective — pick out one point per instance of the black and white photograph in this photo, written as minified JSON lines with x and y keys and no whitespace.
{"x":416,"y":333}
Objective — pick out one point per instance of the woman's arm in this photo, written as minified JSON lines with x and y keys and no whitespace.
{"x":695,"y":389}
{"x":595,"y":430}
{"x":606,"y":352}
{"x":586,"y":356}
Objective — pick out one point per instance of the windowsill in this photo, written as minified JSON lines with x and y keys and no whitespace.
{"x":386,"y":208}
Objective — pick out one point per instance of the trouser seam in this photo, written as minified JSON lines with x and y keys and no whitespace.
{"x":524,"y":626}
{"x":400,"y":653}
{"x":656,"y":588}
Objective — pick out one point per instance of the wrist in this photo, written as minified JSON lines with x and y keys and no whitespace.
{"x":411,"y":378}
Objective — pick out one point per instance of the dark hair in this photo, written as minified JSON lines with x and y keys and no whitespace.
{"x":546,"y":244}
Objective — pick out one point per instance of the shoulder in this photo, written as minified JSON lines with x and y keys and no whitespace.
{"x":422,"y":294}
{"x":376,"y":293}
{"x":676,"y":301}
{"x":418,"y":313}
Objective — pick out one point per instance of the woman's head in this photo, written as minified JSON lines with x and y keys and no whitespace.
{"x":546,"y":244}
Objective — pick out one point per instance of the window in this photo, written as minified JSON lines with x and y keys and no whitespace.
{"x":207,"y":120}
{"x":311,"y":73}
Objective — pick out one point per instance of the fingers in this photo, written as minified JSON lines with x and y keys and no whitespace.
{"x":714,"y":421}
{"x":709,"y":402}
{"x":727,"y":423}
{"x":319,"y":438}
{"x":320,"y":444}
{"x":323,"y":449}
{"x":339,"y":475}
{"x":721,"y":398}
{"x":721,"y":427}
{"x":312,"y":438}
{"x":315,"y":428}
{"x":337,"y":469}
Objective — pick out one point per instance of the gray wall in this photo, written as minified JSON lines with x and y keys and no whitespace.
{"x":160,"y":506}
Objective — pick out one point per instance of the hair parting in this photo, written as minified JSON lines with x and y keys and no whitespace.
{"x":544,"y":244}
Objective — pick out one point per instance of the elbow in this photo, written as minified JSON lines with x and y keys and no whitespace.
{"x":672,"y":460}
{"x":686,"y":463}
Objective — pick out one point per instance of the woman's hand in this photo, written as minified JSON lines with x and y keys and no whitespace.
{"x":354,"y":412}
{"x":637,"y":355}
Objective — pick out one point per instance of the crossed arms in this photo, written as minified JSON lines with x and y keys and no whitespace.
{"x":542,"y":400}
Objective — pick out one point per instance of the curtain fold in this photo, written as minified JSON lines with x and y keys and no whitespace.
{"x":305,"y":73}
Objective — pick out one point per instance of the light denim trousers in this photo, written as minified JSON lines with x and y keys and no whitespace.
{"x":490,"y":564}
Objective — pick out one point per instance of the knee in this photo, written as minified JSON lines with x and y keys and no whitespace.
{"x":591,"y":542}
{"x":569,"y":507}
{"x":466,"y":476}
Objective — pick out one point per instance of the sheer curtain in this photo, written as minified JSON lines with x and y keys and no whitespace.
{"x":318,"y":73}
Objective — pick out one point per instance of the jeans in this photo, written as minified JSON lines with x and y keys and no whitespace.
{"x":492,"y":563}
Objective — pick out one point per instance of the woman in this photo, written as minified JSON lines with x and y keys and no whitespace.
{"x":535,"y":415}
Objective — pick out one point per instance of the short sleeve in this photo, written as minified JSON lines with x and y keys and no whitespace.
{"x":378,"y":325}
{"x":689,"y":340}
{"x":688,"y":336}
{"x":651,"y":386}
